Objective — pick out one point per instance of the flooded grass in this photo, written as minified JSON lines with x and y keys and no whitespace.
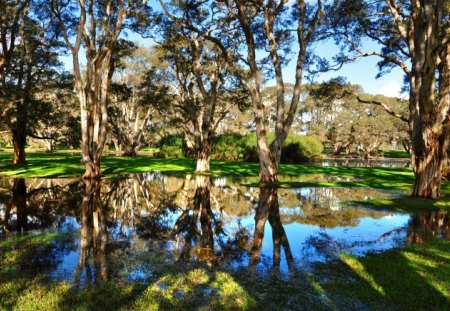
{"x":156,"y":241}
{"x":415,"y":277}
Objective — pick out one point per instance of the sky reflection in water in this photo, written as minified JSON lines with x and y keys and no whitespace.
{"x":120,"y":222}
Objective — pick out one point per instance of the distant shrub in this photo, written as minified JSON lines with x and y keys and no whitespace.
{"x":298,"y":149}
{"x":171,"y":146}
{"x":236,"y":147}
{"x":167,"y":151}
{"x":171,"y":140}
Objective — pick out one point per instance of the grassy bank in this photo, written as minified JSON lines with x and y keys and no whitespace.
{"x":415,"y":277}
{"x":66,"y":165}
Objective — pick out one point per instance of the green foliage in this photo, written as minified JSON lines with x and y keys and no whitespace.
{"x":168,"y":151}
{"x":236,"y":147}
{"x":396,"y":154}
{"x":171,"y":146}
{"x":298,"y":149}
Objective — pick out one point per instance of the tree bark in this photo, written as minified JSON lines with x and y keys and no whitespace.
{"x":19,"y":132}
{"x":428,"y":115}
{"x":203,"y":156}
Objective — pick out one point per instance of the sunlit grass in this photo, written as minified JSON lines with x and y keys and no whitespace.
{"x":414,"y":278}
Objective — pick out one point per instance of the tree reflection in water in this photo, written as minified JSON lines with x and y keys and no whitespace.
{"x":191,"y":239}
{"x":17,"y":202}
{"x":268,"y":209}
{"x":93,"y":236}
{"x":203,"y":219}
{"x":425,"y":226}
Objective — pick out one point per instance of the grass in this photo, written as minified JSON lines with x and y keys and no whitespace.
{"x":292,"y":176}
{"x":415,"y":277}
{"x":396,"y":154}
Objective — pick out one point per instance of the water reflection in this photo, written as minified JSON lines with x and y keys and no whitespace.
{"x":93,"y":237}
{"x":427,"y":225}
{"x":193,"y":239}
{"x":37,"y":203}
{"x":217,"y":221}
{"x":268,"y":209}
{"x":352,"y":162}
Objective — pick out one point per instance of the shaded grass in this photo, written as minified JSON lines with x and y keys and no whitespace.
{"x":414,"y":278}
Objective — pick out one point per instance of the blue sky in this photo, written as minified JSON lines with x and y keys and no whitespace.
{"x":362,"y":72}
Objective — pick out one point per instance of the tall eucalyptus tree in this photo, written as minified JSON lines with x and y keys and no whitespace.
{"x":204,"y":89}
{"x":92,"y":28}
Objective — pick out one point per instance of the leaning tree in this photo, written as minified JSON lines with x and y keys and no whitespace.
{"x":414,"y":36}
{"x":92,"y":28}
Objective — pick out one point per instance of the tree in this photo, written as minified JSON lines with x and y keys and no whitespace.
{"x":52,"y":112}
{"x":28,"y":60}
{"x":414,"y":36}
{"x":95,"y":25}
{"x":353,"y":122}
{"x":205,"y":91}
{"x":244,"y":27}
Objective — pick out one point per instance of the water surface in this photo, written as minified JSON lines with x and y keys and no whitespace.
{"x":114,"y":226}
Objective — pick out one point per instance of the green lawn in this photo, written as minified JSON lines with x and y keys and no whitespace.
{"x":67,"y":165}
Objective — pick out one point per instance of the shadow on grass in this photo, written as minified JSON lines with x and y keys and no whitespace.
{"x":407,"y":205}
{"x":409,"y":279}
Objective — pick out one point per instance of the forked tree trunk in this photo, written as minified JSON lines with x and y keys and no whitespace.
{"x":268,"y":209}
{"x":202,"y":200}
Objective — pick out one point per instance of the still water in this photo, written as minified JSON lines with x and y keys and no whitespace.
{"x":115,"y":225}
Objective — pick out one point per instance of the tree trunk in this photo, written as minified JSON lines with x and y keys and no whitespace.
{"x":92,"y":169}
{"x":19,"y":141}
{"x":20,"y":202}
{"x":130,"y":151}
{"x":19,"y":133}
{"x":203,"y":157}
{"x":428,"y":175}
{"x":427,"y":115}
{"x":49,"y":145}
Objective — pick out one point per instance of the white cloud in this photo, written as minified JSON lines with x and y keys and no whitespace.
{"x":392,"y":89}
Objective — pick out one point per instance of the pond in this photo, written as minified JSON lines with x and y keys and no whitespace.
{"x":357,"y":162}
{"x":111,"y":227}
